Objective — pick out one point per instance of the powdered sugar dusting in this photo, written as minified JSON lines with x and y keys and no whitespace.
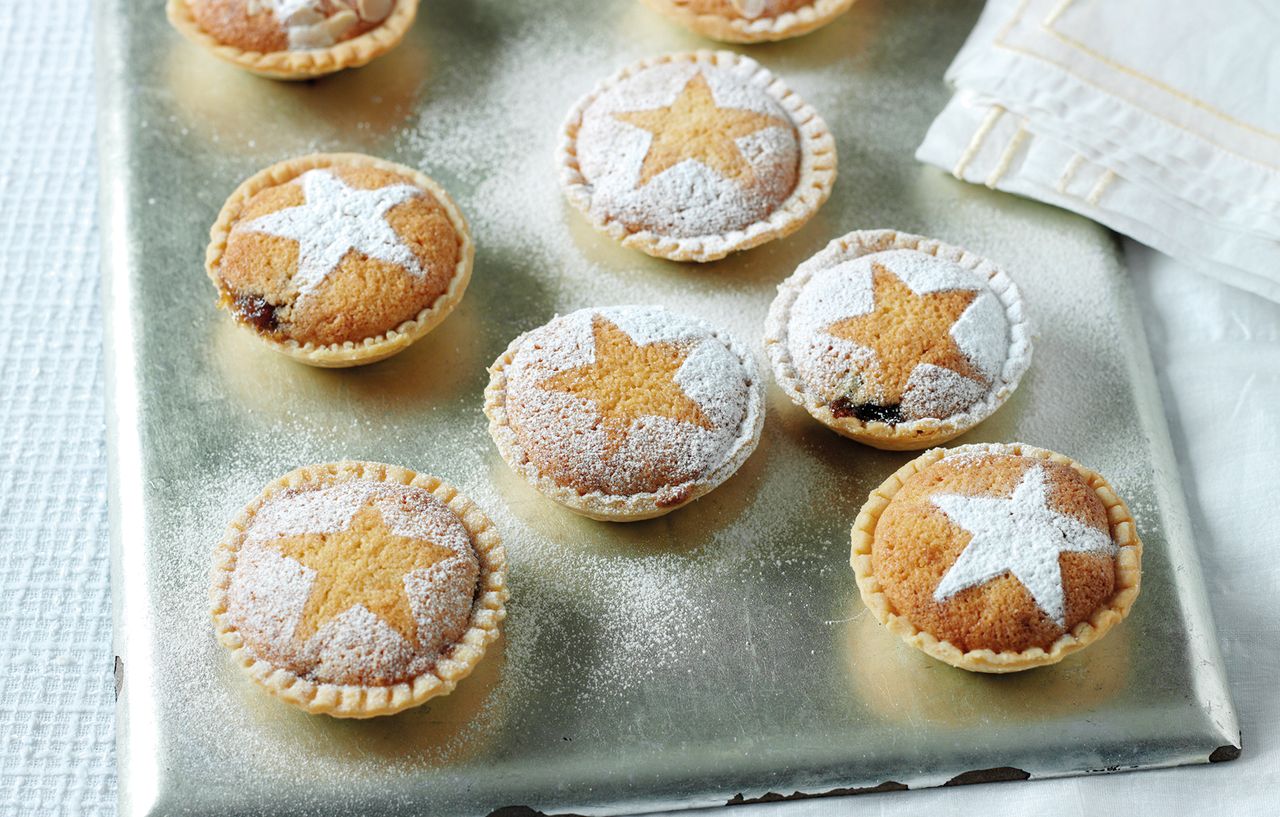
{"x":335,"y":220}
{"x":406,"y":510}
{"x":689,"y":199}
{"x":563,"y":432}
{"x":1019,"y":534}
{"x":936,"y":391}
{"x":657,"y":452}
{"x":268,"y":591}
{"x":838,"y":288}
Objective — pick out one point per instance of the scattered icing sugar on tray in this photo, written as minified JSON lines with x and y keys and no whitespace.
{"x":734,"y":570}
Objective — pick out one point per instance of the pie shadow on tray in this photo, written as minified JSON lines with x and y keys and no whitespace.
{"x":444,"y":366}
{"x":762,"y":267}
{"x":486,"y":717}
{"x":446,"y":729}
{"x":222,"y":101}
{"x":881,"y":666}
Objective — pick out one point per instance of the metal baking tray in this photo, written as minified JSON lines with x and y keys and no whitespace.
{"x":715,"y":655}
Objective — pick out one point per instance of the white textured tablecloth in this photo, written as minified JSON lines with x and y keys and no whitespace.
{"x":1157,"y":119}
{"x":1216,"y":350}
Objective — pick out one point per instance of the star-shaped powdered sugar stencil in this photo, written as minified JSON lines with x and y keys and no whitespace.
{"x":627,"y":381}
{"x":1020,"y":535}
{"x":336,"y":219}
{"x":695,"y":128}
{"x":365,"y":564}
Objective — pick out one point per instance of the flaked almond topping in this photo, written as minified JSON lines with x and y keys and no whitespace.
{"x":374,"y":10}
{"x":340,"y":23}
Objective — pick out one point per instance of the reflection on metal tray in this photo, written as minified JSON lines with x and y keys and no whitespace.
{"x":714,"y":655}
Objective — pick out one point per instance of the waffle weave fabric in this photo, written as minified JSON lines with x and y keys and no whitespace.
{"x":56,"y":737}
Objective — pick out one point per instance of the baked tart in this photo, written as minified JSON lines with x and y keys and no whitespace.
{"x":339,"y":259}
{"x":898,"y":341}
{"x":997,"y":558}
{"x":694,"y":156}
{"x":294,"y":39}
{"x":358,"y":589}
{"x":751,"y":21}
{"x":626,"y":412}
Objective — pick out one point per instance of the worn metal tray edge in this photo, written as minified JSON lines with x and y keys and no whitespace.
{"x":125,"y":513}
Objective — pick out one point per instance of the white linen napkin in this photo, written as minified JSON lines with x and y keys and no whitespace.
{"x":1160,"y":120}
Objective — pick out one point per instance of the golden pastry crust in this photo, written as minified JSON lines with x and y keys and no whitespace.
{"x":726,"y":21}
{"x":364,"y":310}
{"x":259,"y":50}
{"x":787,"y":211}
{"x":366,"y":700}
{"x":633,"y":483}
{"x":907,"y":433}
{"x":999,"y":611}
